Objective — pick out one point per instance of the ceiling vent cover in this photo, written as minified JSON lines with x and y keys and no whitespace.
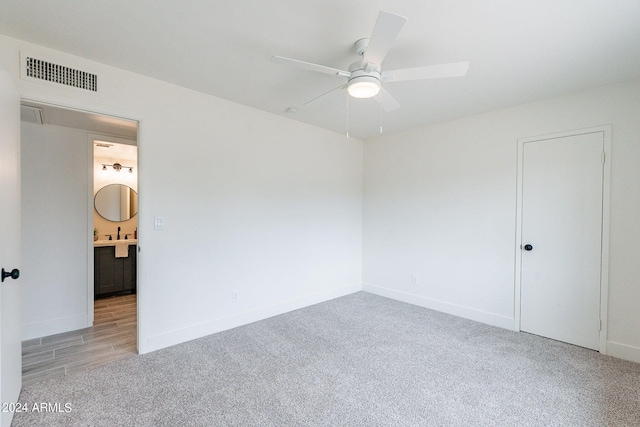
{"x":50,"y":72}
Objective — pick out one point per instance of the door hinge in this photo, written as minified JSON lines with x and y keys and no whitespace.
{"x":600,"y":325}
{"x":603,"y":157}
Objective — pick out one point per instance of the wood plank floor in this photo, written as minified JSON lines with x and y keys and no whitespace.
{"x":112,"y":337}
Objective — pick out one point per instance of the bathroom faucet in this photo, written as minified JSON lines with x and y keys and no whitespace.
{"x":118,"y":238}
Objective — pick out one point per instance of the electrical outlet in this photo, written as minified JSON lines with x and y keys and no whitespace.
{"x":414,"y":280}
{"x":234,"y":295}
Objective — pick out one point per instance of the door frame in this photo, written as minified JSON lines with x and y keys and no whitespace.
{"x":606,"y":208}
{"x":10,"y":290}
{"x":55,"y":102}
{"x":91,"y":138}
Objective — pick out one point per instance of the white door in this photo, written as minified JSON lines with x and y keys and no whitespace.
{"x":10,"y":341}
{"x":562,"y":205}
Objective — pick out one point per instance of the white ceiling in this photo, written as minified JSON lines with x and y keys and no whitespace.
{"x":520,"y":50}
{"x":124,"y":154}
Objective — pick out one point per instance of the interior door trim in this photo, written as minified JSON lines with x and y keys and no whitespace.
{"x":117,"y":112}
{"x":606,"y":208}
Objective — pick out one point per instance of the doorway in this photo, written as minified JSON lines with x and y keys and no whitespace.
{"x":115,"y":216}
{"x":562,"y":229}
{"x":58,"y":203}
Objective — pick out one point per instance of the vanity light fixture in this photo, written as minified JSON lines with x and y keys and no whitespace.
{"x":118,"y":167}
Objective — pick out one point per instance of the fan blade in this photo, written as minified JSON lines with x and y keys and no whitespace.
{"x":389,"y":103}
{"x":384,"y":33}
{"x":309,"y":66}
{"x":326,"y":93}
{"x":454,"y":69}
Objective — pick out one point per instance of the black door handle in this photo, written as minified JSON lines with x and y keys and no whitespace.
{"x":528,"y":247}
{"x":14,"y":274}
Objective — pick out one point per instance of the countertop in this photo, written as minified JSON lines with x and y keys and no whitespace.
{"x":100,"y":243}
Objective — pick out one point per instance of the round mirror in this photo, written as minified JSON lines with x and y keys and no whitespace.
{"x":116,"y":202}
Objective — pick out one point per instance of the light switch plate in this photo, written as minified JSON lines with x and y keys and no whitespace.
{"x":158,"y":223}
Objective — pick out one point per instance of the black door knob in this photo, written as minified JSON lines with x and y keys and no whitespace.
{"x":14,"y":274}
{"x":528,"y":247}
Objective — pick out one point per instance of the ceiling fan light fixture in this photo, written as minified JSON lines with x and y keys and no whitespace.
{"x":364,"y":86}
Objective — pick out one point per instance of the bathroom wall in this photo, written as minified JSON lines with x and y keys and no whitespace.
{"x":125,"y":155}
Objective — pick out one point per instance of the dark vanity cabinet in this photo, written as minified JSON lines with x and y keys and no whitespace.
{"x":114,"y":275}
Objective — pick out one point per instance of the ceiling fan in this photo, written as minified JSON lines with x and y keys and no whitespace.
{"x":365,"y":77}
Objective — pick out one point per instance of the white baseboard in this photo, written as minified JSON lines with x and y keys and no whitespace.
{"x":623,"y":351}
{"x":178,"y":336}
{"x":445,"y":307}
{"x":56,"y":326}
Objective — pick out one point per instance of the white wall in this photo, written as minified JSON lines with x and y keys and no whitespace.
{"x":55,"y":189}
{"x":440,"y":202}
{"x":251,"y":202}
{"x":272,"y":209}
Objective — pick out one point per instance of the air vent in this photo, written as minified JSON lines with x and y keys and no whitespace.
{"x":55,"y":73}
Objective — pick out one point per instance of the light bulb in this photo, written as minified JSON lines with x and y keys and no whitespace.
{"x":364,"y":87}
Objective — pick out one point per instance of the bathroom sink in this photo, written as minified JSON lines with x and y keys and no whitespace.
{"x":99,"y":243}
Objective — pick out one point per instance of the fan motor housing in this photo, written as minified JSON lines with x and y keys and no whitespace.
{"x":363,"y":75}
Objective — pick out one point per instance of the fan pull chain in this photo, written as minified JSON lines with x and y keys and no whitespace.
{"x":347,"y":115}
{"x":380,"y":112}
